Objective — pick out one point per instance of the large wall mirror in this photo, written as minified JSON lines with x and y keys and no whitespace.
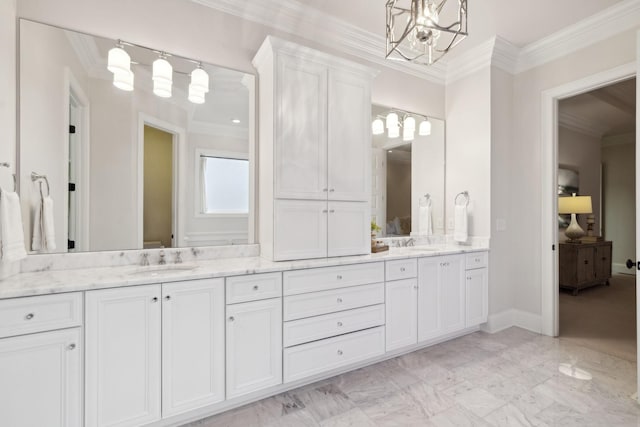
{"x":129,"y":169}
{"x":408,"y":182}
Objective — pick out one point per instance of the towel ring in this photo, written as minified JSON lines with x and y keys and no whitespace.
{"x":464,"y":196}
{"x":8,"y":165}
{"x":37,"y":177}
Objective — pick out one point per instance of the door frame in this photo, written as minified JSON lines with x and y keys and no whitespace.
{"x":179,"y":142}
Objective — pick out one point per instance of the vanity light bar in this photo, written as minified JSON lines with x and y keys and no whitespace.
{"x":408,"y":124}
{"x":119,"y":63}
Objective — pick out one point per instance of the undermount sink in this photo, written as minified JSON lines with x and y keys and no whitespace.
{"x":156,"y":270}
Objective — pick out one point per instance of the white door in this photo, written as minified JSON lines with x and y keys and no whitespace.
{"x":301,"y":129}
{"x":349,"y":143}
{"x":477,"y":293}
{"x":254,"y":346}
{"x":429,"y":323}
{"x":349,"y":228}
{"x":122,"y":375}
{"x":452,"y":289}
{"x":192,"y":345}
{"x":401,"y":302}
{"x":300,"y":228}
{"x":40,"y":380}
{"x":379,"y":188}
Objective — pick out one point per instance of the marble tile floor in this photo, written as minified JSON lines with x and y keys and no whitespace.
{"x":510,"y":378}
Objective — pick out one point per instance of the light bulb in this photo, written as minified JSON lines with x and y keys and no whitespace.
{"x":377,"y":127}
{"x":425,"y":128}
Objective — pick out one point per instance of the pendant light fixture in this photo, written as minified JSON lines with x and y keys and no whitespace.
{"x":199,"y":85}
{"x":407,"y":125}
{"x":118,"y":60}
{"x":162,"y":77}
{"x":377,"y":127}
{"x":425,"y":128}
{"x":416,"y":34}
{"x":123,"y":80}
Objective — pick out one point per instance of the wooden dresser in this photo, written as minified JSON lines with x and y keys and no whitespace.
{"x":584,"y":264}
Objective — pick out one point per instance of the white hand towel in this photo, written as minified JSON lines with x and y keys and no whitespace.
{"x":460,"y":224}
{"x":44,"y":237}
{"x":11,"y":232}
{"x":425,"y":226}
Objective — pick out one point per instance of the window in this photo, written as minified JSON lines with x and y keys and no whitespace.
{"x":225,"y":185}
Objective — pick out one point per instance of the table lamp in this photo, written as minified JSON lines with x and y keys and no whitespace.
{"x":574,"y":205}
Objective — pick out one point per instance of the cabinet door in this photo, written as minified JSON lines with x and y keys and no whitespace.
{"x":40,"y":380}
{"x":192,"y":345}
{"x":429,"y":318}
{"x":254,"y":346}
{"x":301,"y":129}
{"x":401,"y":313}
{"x":477,"y":295}
{"x":300,"y":229}
{"x":349,"y":137}
{"x":452,"y":297}
{"x":123,"y":368}
{"x":586,"y":264}
{"x":603,"y":261}
{"x":349,"y":228}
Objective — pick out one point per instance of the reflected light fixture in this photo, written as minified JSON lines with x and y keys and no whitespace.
{"x":118,"y":60}
{"x":425,"y":128}
{"x":199,"y":85}
{"x":123,"y":80}
{"x":407,"y":124}
{"x":377,"y":127}
{"x":415,"y":32}
{"x":162,"y":77}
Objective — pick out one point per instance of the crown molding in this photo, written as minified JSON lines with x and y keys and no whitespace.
{"x":580,"y":124}
{"x":622,"y":139}
{"x":290,"y":16}
{"x":470,"y":61}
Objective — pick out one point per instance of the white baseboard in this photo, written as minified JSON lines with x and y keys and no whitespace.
{"x":512,"y":317}
{"x":622,"y":269}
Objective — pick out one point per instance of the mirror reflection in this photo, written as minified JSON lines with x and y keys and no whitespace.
{"x":135,"y":154}
{"x":408,"y":173}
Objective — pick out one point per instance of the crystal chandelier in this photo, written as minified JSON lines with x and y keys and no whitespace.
{"x":415,"y":33}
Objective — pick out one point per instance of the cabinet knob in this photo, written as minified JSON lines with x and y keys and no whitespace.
{"x":71,"y":346}
{"x":339,"y":277}
{"x":332,"y":190}
{"x":324,"y":211}
{"x":232,"y":319}
{"x":477,"y":259}
{"x":339,"y":324}
{"x":325,"y":190}
{"x":332,"y":211}
{"x":586,"y":261}
{"x":415,"y":287}
{"x":154,"y":299}
{"x":339,"y":300}
{"x":256,"y":287}
{"x":29,"y":316}
{"x":339,"y":352}
{"x":402,"y":269}
{"x":167,"y":298}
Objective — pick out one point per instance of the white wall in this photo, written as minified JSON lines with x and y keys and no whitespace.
{"x":582,"y":152}
{"x":619,"y":208}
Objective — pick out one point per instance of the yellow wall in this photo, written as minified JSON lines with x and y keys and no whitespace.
{"x":158,"y":161}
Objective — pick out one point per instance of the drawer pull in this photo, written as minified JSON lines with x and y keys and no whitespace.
{"x":167,"y":298}
{"x":339,"y":352}
{"x":71,"y":347}
{"x":339,"y":300}
{"x":415,"y":287}
{"x":29,"y":316}
{"x":231,"y":319}
{"x":586,"y":261}
{"x":339,"y":277}
{"x":154,"y":299}
{"x":339,"y":324}
{"x":256,"y":287}
{"x":477,"y":259}
{"x":402,"y":269}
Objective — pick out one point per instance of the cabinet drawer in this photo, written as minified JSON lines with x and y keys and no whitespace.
{"x":401,"y":269}
{"x":319,"y":279}
{"x":38,"y":314}
{"x":476,"y":260}
{"x":253,"y":287}
{"x":314,"y":358}
{"x":316,"y":303}
{"x":329,"y":325}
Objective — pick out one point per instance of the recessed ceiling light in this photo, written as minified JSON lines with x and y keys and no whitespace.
{"x":236,"y":121}
{"x":390,"y":151}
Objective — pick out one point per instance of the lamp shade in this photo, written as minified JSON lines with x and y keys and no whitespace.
{"x":199,"y":80}
{"x":409,"y":123}
{"x":425,"y":128}
{"x":575,"y":205}
{"x":377,"y":127}
{"x":392,"y":121}
{"x":394,"y":132}
{"x":196,"y":95}
{"x":408,"y":134}
{"x":162,"y":88}
{"x":118,"y":61}
{"x":123,"y":80}
{"x":162,"y":70}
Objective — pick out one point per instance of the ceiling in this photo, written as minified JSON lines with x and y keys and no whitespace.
{"x":520,"y":22}
{"x":607,"y":111}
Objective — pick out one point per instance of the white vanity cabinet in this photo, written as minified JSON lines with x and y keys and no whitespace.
{"x":401,"y":301}
{"x":315,"y":153}
{"x":254,"y":334}
{"x":477,"y":288}
{"x":153,"y":351}
{"x":41,"y":372}
{"x":441,"y":296}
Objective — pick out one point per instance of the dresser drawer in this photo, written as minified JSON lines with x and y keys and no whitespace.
{"x":317,"y":303}
{"x":319,"y":279}
{"x":476,"y":260}
{"x":27,"y":315}
{"x":329,"y":325}
{"x":317,"y":357}
{"x":401,"y":269}
{"x":253,"y":287}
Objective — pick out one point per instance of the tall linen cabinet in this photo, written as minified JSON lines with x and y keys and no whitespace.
{"x":314,"y":153}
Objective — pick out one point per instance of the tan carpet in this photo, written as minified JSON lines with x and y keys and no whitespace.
{"x":602,"y":318}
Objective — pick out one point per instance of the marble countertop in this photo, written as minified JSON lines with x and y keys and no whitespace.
{"x":60,"y":281}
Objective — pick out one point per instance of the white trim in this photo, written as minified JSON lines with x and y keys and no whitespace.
{"x":618,"y":268}
{"x":548,"y":168}
{"x":249,"y":81}
{"x":513,"y":317}
{"x":215,"y":238}
{"x":622,"y":139}
{"x":580,"y":124}
{"x":470,"y":61}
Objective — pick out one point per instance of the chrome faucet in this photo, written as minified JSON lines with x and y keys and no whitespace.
{"x":162,"y":260}
{"x":144,"y":259}
{"x":410,"y":242}
{"x":178,"y":258}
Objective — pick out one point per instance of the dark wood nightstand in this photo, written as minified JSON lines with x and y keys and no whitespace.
{"x":584,"y":264}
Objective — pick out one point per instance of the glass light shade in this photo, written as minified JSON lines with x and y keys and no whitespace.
{"x":162,"y":70}
{"x":425,"y":128}
{"x":200,"y":80}
{"x":392,"y":122}
{"x":394,"y":132}
{"x":575,"y":205}
{"x":408,"y":134}
{"x":162,"y":88}
{"x":377,"y":127}
{"x":196,"y":95}
{"x":123,"y":80}
{"x":409,"y":123}
{"x":118,"y":60}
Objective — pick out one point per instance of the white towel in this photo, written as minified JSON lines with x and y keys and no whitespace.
{"x":425,"y":226}
{"x":44,"y":237}
{"x":460,"y":224}
{"x":11,"y":232}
